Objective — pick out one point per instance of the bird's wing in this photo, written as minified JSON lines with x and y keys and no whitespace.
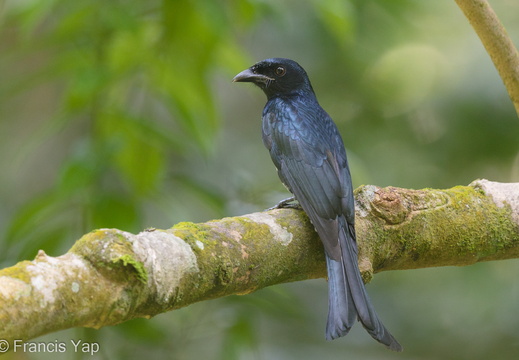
{"x":311,"y":161}
{"x":308,"y":151}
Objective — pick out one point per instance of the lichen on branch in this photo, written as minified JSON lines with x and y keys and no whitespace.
{"x":110,"y":276}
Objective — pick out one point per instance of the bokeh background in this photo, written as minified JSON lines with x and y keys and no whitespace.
{"x":122,"y":114}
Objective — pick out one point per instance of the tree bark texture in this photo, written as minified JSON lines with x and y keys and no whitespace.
{"x":110,"y":276}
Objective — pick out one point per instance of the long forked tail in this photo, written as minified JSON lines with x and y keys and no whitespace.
{"x":347,"y":296}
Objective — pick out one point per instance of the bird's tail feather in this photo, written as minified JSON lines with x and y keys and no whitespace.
{"x":341,"y":308}
{"x":348,"y":298}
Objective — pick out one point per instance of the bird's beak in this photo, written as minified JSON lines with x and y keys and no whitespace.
{"x":249,"y":76}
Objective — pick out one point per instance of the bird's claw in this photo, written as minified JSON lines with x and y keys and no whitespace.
{"x":288,"y":203}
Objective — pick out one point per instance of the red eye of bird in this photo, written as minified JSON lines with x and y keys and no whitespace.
{"x":280,"y":71}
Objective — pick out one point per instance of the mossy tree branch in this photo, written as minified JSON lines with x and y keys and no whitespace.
{"x":110,"y":276}
{"x":496,"y":42}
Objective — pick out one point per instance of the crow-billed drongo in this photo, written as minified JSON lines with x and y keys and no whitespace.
{"x":309,"y":154}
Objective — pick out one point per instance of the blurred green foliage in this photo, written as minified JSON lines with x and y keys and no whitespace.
{"x":122,"y":114}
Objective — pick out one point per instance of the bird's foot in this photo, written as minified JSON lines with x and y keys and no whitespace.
{"x":288,"y":203}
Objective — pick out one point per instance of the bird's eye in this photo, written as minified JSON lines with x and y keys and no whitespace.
{"x":280,"y":71}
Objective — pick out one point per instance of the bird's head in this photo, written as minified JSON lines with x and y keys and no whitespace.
{"x":276,"y":76}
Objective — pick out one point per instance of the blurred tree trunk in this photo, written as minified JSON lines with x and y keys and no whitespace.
{"x":110,"y":276}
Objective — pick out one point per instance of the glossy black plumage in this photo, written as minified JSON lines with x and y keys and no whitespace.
{"x":309,"y":153}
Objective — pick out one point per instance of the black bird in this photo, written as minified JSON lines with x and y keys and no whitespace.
{"x":310,"y":157}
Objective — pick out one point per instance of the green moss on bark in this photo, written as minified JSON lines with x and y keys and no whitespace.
{"x":442,"y":227}
{"x":109,"y":248}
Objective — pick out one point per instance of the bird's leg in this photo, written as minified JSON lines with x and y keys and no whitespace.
{"x":288,"y":203}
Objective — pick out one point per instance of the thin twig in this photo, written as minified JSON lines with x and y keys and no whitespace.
{"x":497,"y":43}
